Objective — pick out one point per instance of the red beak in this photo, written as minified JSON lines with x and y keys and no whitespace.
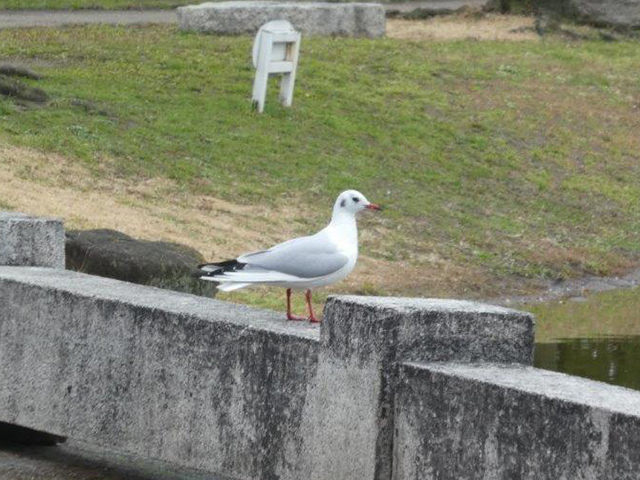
{"x":373,"y":206}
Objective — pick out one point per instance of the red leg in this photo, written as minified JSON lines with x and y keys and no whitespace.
{"x":291,"y":316}
{"x":312,"y":317}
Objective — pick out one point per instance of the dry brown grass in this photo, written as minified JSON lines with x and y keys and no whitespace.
{"x":48,"y":184}
{"x":155,"y":209}
{"x":464,"y":26}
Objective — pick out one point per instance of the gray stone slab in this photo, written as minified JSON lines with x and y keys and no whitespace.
{"x":185,"y":379}
{"x":31,"y":241}
{"x":363,"y":339}
{"x":310,"y":18}
{"x":490,"y":422}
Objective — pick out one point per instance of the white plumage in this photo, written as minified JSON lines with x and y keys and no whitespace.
{"x":302,"y":263}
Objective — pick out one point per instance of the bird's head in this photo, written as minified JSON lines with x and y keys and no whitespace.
{"x":352,"y":201}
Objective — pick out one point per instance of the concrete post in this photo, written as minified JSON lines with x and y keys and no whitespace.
{"x":363,"y":341}
{"x":28,"y":241}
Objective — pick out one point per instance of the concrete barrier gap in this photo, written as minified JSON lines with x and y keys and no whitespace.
{"x":377,"y":392}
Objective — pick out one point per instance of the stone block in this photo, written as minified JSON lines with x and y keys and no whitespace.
{"x":309,"y":18}
{"x":502,"y":422}
{"x":31,"y":241}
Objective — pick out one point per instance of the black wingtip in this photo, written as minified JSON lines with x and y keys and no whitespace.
{"x":221,"y":267}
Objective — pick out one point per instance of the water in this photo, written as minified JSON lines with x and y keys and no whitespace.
{"x":611,"y":359}
{"x":596,"y":337}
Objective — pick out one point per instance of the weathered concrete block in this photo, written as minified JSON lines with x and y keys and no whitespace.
{"x":31,"y":241}
{"x":311,"y":18}
{"x":161,"y":374}
{"x":363,"y":339}
{"x":502,"y":422}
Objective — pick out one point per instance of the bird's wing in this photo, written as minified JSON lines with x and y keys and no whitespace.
{"x":305,"y":257}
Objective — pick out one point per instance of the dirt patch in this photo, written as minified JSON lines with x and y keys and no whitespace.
{"x":463,"y":27}
{"x":152,"y":209}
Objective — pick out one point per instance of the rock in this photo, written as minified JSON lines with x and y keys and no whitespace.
{"x":607,"y":13}
{"x":113,"y":254}
{"x":322,"y":19}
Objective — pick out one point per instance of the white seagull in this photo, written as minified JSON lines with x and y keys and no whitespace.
{"x":302,"y":263}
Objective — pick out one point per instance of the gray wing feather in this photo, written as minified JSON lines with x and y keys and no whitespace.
{"x":305,"y":257}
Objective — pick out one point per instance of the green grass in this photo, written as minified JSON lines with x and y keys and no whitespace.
{"x":516,"y":160}
{"x":607,"y":313}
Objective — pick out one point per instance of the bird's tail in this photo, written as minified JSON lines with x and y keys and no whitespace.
{"x":232,"y":275}
{"x":213,"y":271}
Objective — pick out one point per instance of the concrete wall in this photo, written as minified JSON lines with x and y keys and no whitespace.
{"x":219,"y":386}
{"x":503,"y":422}
{"x":378,"y":391}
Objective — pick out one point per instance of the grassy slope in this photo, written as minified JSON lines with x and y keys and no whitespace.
{"x":497,"y":161}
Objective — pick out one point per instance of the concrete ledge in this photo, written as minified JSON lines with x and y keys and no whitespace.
{"x":323,"y":19}
{"x":31,"y":241}
{"x":490,"y":422}
{"x":193,"y":381}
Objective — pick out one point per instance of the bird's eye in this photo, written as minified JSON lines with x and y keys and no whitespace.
{"x":356,"y":199}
